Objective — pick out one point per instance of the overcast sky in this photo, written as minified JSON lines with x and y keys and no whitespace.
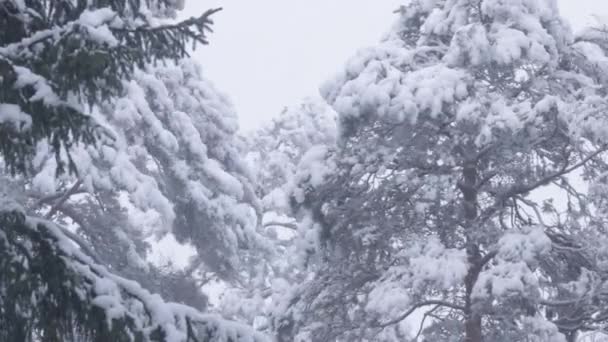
{"x":268,"y":54}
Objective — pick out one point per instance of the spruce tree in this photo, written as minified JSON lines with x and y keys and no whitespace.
{"x":56,"y":57}
{"x":59,"y":61}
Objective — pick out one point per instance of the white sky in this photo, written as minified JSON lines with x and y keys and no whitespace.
{"x":268,"y":54}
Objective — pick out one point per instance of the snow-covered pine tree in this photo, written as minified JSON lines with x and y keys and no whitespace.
{"x":456,"y":196}
{"x":58,"y":60}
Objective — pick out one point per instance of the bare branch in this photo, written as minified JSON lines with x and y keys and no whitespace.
{"x":438,"y":303}
{"x":422,"y":321}
{"x":534,"y":207}
{"x":520,"y":189}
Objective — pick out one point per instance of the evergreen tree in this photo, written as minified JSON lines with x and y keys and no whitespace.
{"x":270,"y":272}
{"x":175,"y":166}
{"x":57,"y":55}
{"x":277,"y":147}
{"x":185,"y":133}
{"x":455,"y":196}
{"x":60,"y":60}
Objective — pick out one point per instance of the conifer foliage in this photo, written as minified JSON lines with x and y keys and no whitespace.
{"x":454,"y":203}
{"x":51,"y":291}
{"x":57,"y":55}
{"x":59,"y":60}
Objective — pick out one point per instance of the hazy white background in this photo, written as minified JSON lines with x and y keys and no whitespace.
{"x":268,"y":54}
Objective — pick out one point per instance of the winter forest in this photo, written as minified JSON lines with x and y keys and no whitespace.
{"x":450,"y":184}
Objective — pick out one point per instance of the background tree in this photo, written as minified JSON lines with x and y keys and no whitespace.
{"x":456,"y":190}
{"x":274,"y":151}
{"x":277,"y":148}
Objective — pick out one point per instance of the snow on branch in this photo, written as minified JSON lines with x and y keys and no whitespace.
{"x":98,"y":303}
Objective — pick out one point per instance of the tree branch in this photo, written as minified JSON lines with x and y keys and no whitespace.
{"x":406,"y":314}
{"x":63,"y":199}
{"x":84,"y":246}
{"x":518,"y":190}
{"x":288,"y":225}
{"x":566,"y":302}
{"x":426,"y":314}
{"x":486,"y":258}
{"x":49,"y":199}
{"x":534,"y":207}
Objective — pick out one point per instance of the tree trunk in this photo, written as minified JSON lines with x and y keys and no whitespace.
{"x":473,"y":332}
{"x":473,"y":328}
{"x":571,"y":336}
{"x":472,"y":325}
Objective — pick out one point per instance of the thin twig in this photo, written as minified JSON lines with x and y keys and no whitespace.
{"x":418,"y":306}
{"x":426,"y":314}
